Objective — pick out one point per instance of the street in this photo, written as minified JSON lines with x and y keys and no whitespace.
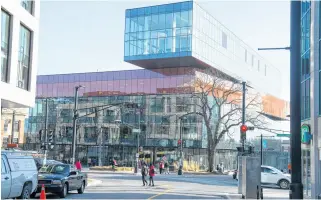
{"x":172,"y":186}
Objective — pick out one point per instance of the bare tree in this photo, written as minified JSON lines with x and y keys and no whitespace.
{"x":219,"y":102}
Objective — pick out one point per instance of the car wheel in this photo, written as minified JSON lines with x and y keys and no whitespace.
{"x":82,"y":188}
{"x":64,"y":191}
{"x":284,"y":184}
{"x":25,"y":192}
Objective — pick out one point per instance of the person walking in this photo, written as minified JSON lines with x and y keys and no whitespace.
{"x":151,"y":174}
{"x":144,"y":173}
{"x":78,"y":165}
{"x":161,"y":167}
{"x":166,"y":168}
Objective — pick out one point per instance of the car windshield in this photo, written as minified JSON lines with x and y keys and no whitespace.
{"x":276,"y":170}
{"x":59,"y":169}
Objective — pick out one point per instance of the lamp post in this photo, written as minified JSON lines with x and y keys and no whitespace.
{"x":74,"y":123}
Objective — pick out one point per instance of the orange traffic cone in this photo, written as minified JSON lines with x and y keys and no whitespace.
{"x":43,"y":193}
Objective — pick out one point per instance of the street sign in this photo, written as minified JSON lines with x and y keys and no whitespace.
{"x":283,"y":135}
{"x":137,"y":155}
{"x":136,"y":130}
{"x":264,"y":144}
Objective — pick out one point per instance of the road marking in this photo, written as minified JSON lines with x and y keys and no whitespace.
{"x":161,"y":193}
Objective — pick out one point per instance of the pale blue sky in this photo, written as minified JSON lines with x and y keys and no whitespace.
{"x":86,"y":36}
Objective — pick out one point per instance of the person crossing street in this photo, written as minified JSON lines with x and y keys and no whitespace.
{"x":144,"y":173}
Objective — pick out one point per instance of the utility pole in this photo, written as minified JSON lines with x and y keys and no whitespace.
{"x":243,"y":138}
{"x":74,"y":123}
{"x":46,"y":133}
{"x":13,"y":125}
{"x":296,"y":187}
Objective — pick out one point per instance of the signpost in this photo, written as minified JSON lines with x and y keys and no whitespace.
{"x":305,"y":134}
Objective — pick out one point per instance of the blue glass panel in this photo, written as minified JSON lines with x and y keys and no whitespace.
{"x":127,"y":13}
{"x":154,"y":9}
{"x":177,"y":7}
{"x":162,"y":9}
{"x":133,"y":13}
{"x":185,"y":5}
{"x":169,"y":8}
{"x":140,"y":12}
{"x":148,"y":10}
{"x":127,"y":25}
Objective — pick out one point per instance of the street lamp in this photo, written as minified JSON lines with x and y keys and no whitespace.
{"x":74,"y":123}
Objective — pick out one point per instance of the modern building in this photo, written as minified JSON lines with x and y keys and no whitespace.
{"x":19,"y":53}
{"x":310,"y":97}
{"x":176,"y":44}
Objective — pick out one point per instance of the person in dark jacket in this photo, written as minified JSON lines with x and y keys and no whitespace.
{"x":151,"y":174}
{"x":144,"y":173}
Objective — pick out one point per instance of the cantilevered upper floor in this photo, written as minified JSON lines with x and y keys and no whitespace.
{"x":185,"y":35}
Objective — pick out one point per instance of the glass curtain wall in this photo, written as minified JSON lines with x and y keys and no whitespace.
{"x":5,"y":38}
{"x":159,"y":31}
{"x":305,"y":59}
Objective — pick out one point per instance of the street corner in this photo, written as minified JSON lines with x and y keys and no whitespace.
{"x":93,"y":182}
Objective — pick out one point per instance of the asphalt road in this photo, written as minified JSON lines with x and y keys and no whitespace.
{"x":127,"y":186}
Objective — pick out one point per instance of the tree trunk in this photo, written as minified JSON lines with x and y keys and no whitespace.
{"x":210,"y":161}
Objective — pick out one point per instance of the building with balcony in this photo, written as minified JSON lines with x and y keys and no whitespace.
{"x":176,"y":44}
{"x":19,"y":52}
{"x":310,"y":96}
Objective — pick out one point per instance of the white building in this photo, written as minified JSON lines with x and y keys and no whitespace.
{"x":19,"y":53}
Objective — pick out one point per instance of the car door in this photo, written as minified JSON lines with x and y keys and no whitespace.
{"x":272,"y":177}
{"x":5,"y":180}
{"x":72,"y":178}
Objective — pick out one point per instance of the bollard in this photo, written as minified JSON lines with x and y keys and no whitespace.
{"x":257,"y":192}
{"x":261,"y":192}
{"x":180,"y":170}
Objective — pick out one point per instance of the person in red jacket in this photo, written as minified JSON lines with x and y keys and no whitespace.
{"x":78,"y":165}
{"x":151,"y":174}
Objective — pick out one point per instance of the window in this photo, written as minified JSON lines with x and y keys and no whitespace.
{"x":3,"y":167}
{"x":252,"y":60}
{"x":28,"y":5}
{"x":24,"y":58}
{"x":5,"y":39}
{"x":224,"y":40}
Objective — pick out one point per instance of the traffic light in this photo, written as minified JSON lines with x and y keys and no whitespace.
{"x":51,"y":139}
{"x":243,"y":131}
{"x":251,"y":149}
{"x":40,"y":134}
{"x":43,"y":146}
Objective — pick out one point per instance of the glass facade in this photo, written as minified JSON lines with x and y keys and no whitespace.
{"x":28,"y":5}
{"x":159,"y":31}
{"x":164,"y":32}
{"x":161,"y":95}
{"x":24,"y":62}
{"x":319,"y":58}
{"x":5,"y":38}
{"x":305,"y":59}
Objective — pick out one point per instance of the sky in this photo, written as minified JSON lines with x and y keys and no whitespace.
{"x":87,"y":36}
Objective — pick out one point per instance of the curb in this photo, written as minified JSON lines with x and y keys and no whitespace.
{"x":93,"y":182}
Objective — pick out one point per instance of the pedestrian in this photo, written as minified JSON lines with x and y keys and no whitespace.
{"x":78,"y":165}
{"x":114,"y":164}
{"x":166,"y":168}
{"x":151,"y":174}
{"x":144,"y":173}
{"x":161,"y":167}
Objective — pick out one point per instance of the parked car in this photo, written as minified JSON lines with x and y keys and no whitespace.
{"x":272,"y":176}
{"x":61,"y":178}
{"x":18,"y":175}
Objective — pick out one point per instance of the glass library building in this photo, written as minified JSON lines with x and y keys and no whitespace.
{"x":173,"y":43}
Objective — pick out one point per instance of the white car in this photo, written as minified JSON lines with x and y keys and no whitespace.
{"x":19,"y":176}
{"x":273,"y":176}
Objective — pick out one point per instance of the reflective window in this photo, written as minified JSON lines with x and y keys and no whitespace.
{"x":3,"y":167}
{"x":28,"y":5}
{"x":5,"y":38}
{"x":24,"y":62}
{"x":161,"y":31}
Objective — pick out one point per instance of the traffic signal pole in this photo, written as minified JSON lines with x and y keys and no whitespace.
{"x":46,"y":133}
{"x":243,"y":137}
